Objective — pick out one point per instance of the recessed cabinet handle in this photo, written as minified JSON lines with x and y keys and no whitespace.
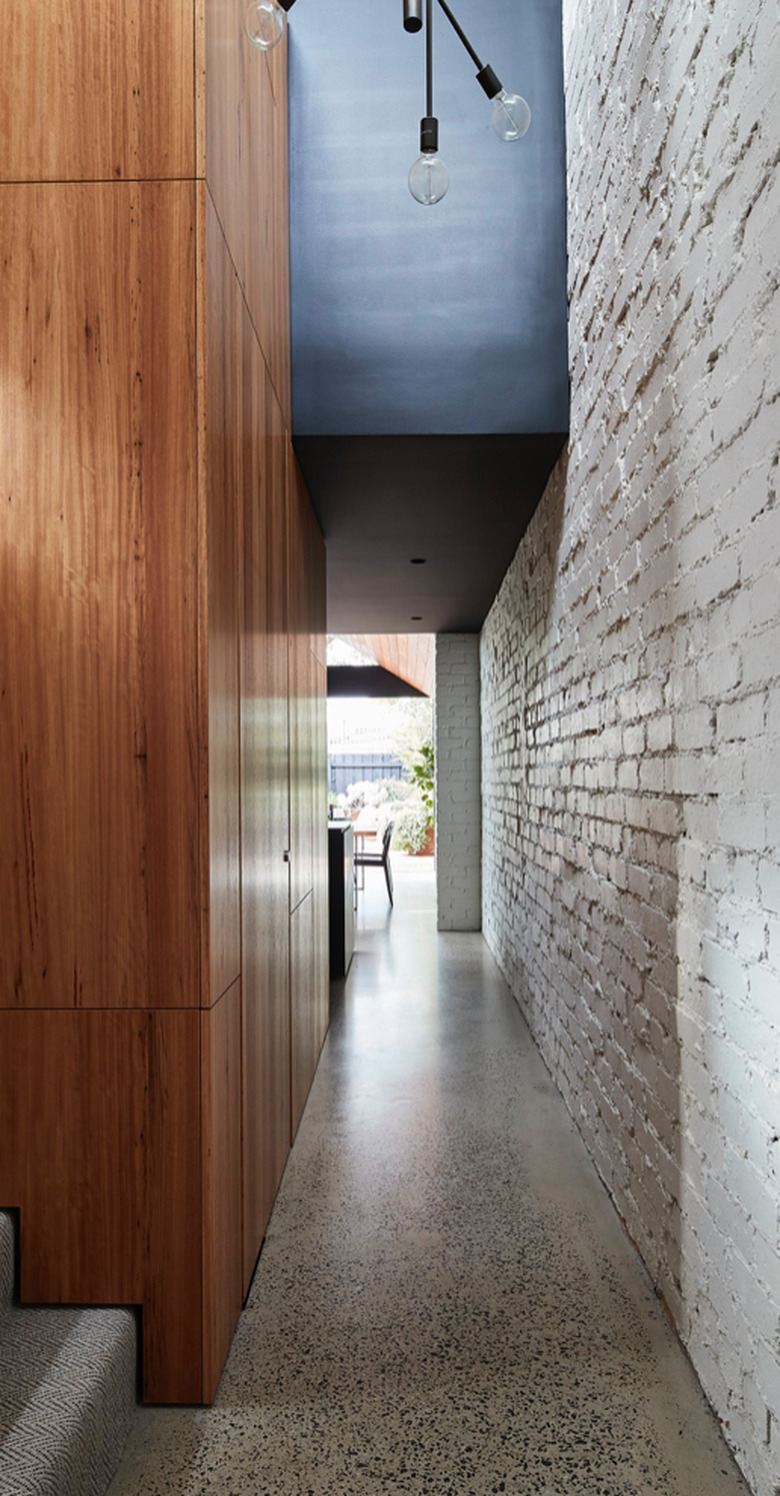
{"x":287,"y":855}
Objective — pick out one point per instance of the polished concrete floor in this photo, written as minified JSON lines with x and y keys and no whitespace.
{"x":445,"y":1302}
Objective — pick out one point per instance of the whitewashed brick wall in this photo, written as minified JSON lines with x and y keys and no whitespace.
{"x":458,"y":807}
{"x":631,"y":679}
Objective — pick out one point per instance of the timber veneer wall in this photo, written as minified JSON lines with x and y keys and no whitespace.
{"x":161,"y":671}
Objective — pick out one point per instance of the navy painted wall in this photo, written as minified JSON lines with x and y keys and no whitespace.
{"x":405,"y":319}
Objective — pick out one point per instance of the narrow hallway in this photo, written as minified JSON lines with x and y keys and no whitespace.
{"x":445,"y":1302}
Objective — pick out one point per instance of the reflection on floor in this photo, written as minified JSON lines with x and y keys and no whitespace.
{"x":445,"y":1302}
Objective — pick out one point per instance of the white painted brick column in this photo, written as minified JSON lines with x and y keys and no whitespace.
{"x":458,"y":807}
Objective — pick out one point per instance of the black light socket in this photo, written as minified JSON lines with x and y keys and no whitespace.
{"x":413,"y":15}
{"x":429,"y":134}
{"x":488,"y":80}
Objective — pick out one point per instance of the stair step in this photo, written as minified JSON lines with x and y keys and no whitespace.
{"x":67,"y":1391}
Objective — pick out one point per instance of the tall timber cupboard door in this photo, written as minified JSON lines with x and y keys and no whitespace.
{"x":221,"y":962}
{"x":246,"y":172}
{"x":145,"y":1019}
{"x":308,"y":791}
{"x":100,"y":732}
{"x":265,"y":830}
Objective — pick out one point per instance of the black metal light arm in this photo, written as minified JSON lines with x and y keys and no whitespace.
{"x":485,"y":76}
{"x":429,"y":126}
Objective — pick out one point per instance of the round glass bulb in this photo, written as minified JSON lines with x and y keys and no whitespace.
{"x":429,"y":179}
{"x":264,"y":24}
{"x":511,"y":116}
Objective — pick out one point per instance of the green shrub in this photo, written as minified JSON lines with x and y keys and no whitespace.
{"x":412,"y":825}
{"x":421,"y":771}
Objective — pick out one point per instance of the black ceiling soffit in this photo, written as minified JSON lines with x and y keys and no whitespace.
{"x":368,"y":680}
{"x":462,"y":503}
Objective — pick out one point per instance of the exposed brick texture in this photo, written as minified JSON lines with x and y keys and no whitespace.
{"x":631,"y":680}
{"x":458,"y":808}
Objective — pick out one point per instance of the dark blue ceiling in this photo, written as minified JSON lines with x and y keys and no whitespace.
{"x":413,"y":321}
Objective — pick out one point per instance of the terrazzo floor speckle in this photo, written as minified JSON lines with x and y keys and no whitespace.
{"x":445,"y":1301}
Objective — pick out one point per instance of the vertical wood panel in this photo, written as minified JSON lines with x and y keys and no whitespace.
{"x":223,"y":399}
{"x":97,"y":591}
{"x":172,"y":1314}
{"x":247,"y":173}
{"x":304,"y":1049}
{"x":320,"y":860}
{"x":222,"y":1243}
{"x":317,"y":590}
{"x":166,"y":614}
{"x":97,"y":90}
{"x":301,"y":686}
{"x":308,"y":789}
{"x":265,"y":811}
{"x":226,"y":51}
{"x":268,"y":274}
{"x":72,"y":1156}
{"x":100,"y":1150}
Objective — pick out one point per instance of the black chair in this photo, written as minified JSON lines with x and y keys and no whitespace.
{"x":380,"y":859}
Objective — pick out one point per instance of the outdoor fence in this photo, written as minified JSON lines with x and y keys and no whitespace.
{"x":353,"y":768}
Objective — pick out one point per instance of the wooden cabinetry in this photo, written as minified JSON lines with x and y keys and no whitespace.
{"x":163,"y":972}
{"x":98,"y":92}
{"x":98,"y":592}
{"x":265,"y":796}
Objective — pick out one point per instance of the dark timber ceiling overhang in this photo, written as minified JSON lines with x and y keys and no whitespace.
{"x":430,"y":389}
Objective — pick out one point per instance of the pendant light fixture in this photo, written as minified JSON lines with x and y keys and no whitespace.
{"x":264,"y":22}
{"x":428,"y":178}
{"x":510,"y":116}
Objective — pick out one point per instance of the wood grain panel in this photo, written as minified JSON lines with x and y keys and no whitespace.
{"x":100,"y":1150}
{"x":97,"y":591}
{"x":227,"y":52}
{"x":320,"y":778}
{"x":268,"y":262}
{"x":72,"y":1156}
{"x":308,"y":789}
{"x":166,"y":612}
{"x":223,"y":417}
{"x":320,"y":860}
{"x":222,"y":1242}
{"x":247,"y":173}
{"x":301,"y":703}
{"x":306,"y":629}
{"x":304,"y":1048}
{"x":97,"y":90}
{"x":172,"y":1304}
{"x":265,"y":809}
{"x":320,"y":848}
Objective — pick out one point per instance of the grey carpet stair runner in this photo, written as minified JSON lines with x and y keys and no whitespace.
{"x":67,"y":1391}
